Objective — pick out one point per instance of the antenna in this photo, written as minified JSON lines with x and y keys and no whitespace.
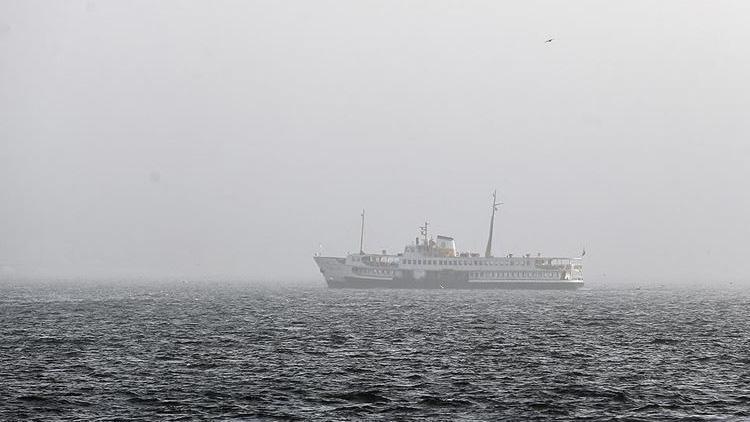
{"x":423,"y":232}
{"x":495,"y":204}
{"x":362,"y":235}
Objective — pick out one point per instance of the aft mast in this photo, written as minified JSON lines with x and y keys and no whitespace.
{"x":495,"y":204}
{"x":362,"y":235}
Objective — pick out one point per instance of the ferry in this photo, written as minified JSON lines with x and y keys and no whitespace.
{"x":435,"y":263}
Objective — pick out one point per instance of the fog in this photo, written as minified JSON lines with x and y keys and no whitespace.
{"x":196,"y":139}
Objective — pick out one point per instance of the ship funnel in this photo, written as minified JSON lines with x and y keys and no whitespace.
{"x":446,"y":246}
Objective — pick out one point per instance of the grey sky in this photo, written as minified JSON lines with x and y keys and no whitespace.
{"x":185,"y":138}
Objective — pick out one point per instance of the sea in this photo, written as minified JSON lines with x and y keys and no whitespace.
{"x":240,"y":351}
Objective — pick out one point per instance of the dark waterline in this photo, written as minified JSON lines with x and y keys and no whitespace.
{"x":246,"y":352}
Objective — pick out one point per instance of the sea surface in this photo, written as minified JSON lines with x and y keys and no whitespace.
{"x":241,"y":351}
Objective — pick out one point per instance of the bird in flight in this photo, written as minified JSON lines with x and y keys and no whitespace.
{"x":550,"y":40}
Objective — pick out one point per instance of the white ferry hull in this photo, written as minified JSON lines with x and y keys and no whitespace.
{"x":340,"y":273}
{"x":365,"y":283}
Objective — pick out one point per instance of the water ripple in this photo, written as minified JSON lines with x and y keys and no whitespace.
{"x":240,"y":352}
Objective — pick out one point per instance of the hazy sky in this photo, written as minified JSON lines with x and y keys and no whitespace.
{"x":187,"y":138}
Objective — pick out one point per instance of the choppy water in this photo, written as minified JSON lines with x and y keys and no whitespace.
{"x":242,"y":352}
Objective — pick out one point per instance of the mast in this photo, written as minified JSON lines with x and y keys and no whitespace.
{"x":362,"y":235}
{"x":495,"y":204}
{"x":423,"y":230}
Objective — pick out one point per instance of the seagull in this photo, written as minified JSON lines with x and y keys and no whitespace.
{"x":550,"y":40}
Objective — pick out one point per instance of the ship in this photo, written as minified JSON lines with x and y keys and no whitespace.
{"x":435,"y":263}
